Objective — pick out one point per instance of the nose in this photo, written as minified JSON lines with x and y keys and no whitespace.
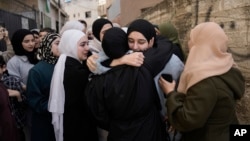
{"x":32,"y":42}
{"x":87,"y":47}
{"x":135,"y":47}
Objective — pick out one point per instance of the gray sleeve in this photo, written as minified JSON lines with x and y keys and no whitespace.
{"x":100,"y":69}
{"x":174,"y":67}
{"x":12,"y":67}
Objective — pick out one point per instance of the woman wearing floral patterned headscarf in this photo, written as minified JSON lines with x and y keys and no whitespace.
{"x":38,"y":88}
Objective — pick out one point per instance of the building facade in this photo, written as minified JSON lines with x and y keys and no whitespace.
{"x":31,"y":14}
{"x":81,"y":9}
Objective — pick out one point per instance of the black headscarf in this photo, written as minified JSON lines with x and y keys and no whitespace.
{"x":144,"y":27}
{"x":115,"y":43}
{"x":97,"y":26}
{"x":16,"y":42}
{"x":44,"y":52}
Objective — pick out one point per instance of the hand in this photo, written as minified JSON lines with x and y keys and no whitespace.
{"x":166,"y":86}
{"x":24,"y":87}
{"x":15,"y":93}
{"x":6,"y":37}
{"x":135,"y":59}
{"x":170,"y":128}
{"x":91,"y":62}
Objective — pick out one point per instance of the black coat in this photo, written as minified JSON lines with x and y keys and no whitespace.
{"x":124,"y":100}
{"x":78,"y":122}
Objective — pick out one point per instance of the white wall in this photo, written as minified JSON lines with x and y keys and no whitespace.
{"x":79,"y":7}
{"x":114,"y":10}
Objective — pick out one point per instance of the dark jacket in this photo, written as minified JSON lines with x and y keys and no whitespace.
{"x":77,"y":120}
{"x":125,"y":102}
{"x":38,"y":88}
{"x":208,"y":109}
{"x":8,"y":128}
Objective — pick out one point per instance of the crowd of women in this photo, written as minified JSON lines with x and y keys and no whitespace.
{"x":109,"y":86}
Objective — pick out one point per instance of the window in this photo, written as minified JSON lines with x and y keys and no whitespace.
{"x":88,"y":14}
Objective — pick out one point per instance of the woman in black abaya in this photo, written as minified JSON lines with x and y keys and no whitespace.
{"x":124,"y":100}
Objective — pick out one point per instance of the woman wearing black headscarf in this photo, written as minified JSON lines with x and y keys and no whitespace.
{"x":141,"y":37}
{"x":24,"y":58}
{"x":124,"y":100}
{"x":38,"y":88}
{"x":98,"y":28}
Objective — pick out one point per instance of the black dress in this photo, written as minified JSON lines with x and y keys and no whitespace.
{"x":78,"y":122}
{"x":125,"y":102}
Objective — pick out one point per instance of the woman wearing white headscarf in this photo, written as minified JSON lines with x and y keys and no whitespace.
{"x":74,"y":24}
{"x":204,"y":106}
{"x":70,"y":116}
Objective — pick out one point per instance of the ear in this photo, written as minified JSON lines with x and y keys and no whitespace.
{"x":151,"y":42}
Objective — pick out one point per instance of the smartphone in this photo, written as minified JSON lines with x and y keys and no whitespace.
{"x":167,"y":77}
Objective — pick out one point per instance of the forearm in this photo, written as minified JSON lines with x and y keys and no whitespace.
{"x":116,"y":62}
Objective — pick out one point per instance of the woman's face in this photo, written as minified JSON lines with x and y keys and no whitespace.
{"x":37,"y":40}
{"x":83,"y":48}
{"x":54,"y":47}
{"x":28,"y":43}
{"x":137,"y":42}
{"x":104,"y":29}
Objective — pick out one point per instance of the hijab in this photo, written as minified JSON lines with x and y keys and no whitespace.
{"x":45,"y":48}
{"x":207,"y":57}
{"x":97,"y":27}
{"x":169,"y":31}
{"x":74,"y":24}
{"x":16,"y":42}
{"x":144,"y":27}
{"x":67,"y":47}
{"x":115,"y":43}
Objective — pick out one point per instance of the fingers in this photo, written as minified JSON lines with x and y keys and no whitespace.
{"x":91,"y":62}
{"x":139,"y":58}
{"x":166,"y":86}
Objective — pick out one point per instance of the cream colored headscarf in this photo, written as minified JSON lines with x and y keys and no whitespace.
{"x":67,"y":47}
{"x":207,"y":57}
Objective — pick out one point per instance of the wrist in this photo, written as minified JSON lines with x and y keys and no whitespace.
{"x":168,"y":93}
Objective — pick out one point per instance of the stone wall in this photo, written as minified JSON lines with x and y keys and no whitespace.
{"x":232,"y":15}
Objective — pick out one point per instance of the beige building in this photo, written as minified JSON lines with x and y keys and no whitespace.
{"x":81,"y":9}
{"x":124,"y":11}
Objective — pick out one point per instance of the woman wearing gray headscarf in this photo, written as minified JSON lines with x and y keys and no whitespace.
{"x":38,"y":88}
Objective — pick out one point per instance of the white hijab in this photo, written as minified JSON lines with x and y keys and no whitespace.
{"x":67,"y":47}
{"x":74,"y":24}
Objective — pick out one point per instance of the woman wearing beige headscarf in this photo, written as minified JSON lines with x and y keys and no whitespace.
{"x":204,"y":106}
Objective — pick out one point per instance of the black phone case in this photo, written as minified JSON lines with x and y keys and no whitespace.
{"x":167,"y":77}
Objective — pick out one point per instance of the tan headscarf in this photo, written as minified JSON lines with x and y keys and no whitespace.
{"x":207,"y":57}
